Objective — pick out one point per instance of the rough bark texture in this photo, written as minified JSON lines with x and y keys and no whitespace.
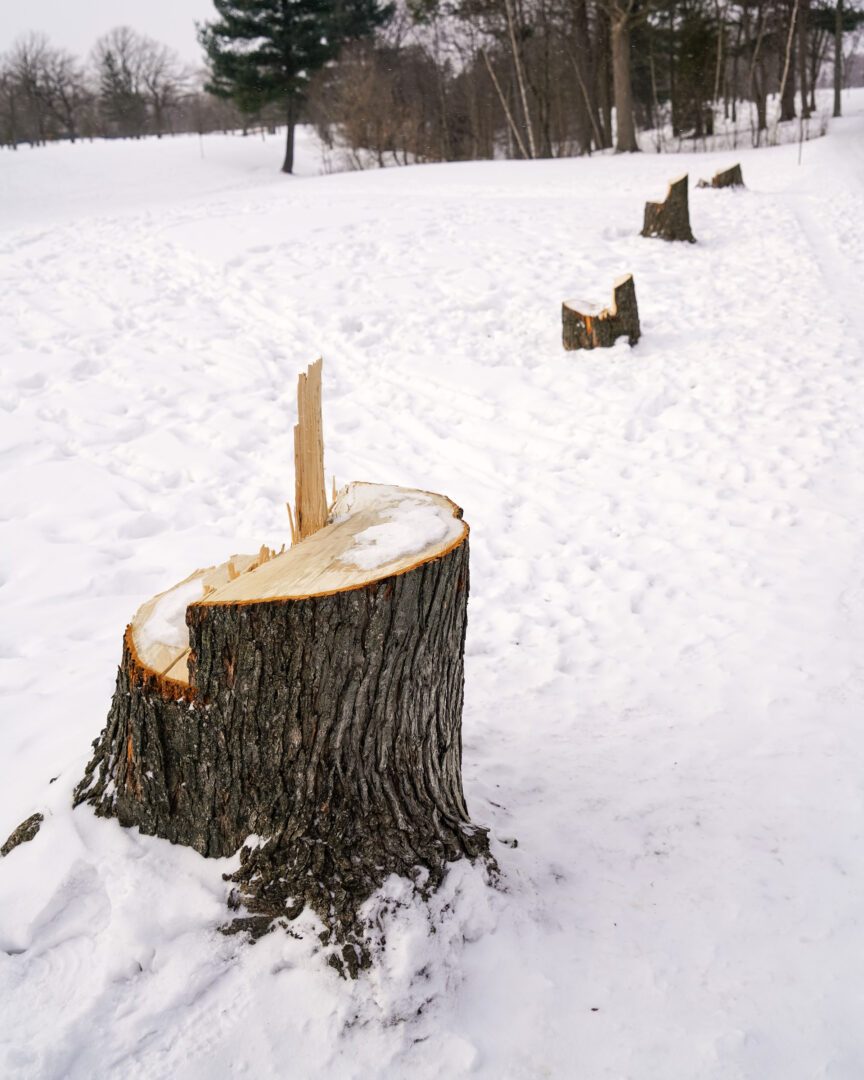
{"x":27,"y":830}
{"x":291,"y":121}
{"x":838,"y":58}
{"x":803,"y":22}
{"x":601,"y":50}
{"x":731,"y":177}
{"x":670,"y":220}
{"x":787,"y":66}
{"x":622,"y":86}
{"x":582,"y":330}
{"x":329,"y":726}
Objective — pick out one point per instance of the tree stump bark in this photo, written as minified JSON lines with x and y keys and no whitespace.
{"x":591,"y":326}
{"x":724,"y":178}
{"x":316,"y":704}
{"x":670,"y":220}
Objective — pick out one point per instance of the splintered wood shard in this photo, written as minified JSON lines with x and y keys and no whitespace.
{"x":590,"y":326}
{"x":730,"y":177}
{"x":310,"y":495}
{"x":670,"y":220}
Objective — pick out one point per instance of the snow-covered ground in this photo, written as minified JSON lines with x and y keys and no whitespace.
{"x":665,"y":662}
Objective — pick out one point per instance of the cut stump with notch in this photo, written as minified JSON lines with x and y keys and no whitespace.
{"x":670,"y":220}
{"x":591,"y":326}
{"x":311,"y":698}
{"x":731,"y":177}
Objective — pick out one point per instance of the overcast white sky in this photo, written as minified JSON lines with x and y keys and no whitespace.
{"x":75,"y":24}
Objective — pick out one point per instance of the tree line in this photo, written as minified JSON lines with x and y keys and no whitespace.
{"x":444,"y":80}
{"x":541,"y":78}
{"x":130,"y":86}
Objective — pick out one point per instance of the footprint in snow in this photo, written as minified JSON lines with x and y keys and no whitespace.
{"x":144,"y":525}
{"x":33,"y":382}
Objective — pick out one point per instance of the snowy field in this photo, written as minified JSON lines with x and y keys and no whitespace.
{"x":665,"y":659}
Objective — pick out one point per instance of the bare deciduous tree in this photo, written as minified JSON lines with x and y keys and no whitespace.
{"x":140,"y":82}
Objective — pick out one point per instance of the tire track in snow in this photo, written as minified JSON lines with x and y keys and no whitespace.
{"x":843,"y":279}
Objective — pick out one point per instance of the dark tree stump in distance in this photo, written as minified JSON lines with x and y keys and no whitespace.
{"x":317,"y":704}
{"x":591,"y":326}
{"x":670,"y":220}
{"x":731,"y":177}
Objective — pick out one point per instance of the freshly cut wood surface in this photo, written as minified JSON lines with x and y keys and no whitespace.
{"x":408,"y":527}
{"x":585,"y":307}
{"x":329,"y":560}
{"x":168,"y":659}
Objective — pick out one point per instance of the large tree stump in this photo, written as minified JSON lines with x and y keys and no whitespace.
{"x":591,"y":326}
{"x":312,"y":698}
{"x":730,"y":177}
{"x":670,"y":220}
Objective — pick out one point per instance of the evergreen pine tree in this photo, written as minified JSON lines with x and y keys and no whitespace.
{"x":263,"y":51}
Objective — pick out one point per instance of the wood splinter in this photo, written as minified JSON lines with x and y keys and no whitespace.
{"x":310,"y":498}
{"x":670,"y":220}
{"x":590,"y":326}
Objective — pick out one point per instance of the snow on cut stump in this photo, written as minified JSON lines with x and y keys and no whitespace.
{"x":590,"y":326}
{"x":730,"y":177}
{"x":314,"y":699}
{"x":670,"y":220}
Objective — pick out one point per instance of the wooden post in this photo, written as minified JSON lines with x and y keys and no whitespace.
{"x":670,"y":220}
{"x":310,"y":495}
{"x":590,"y":326}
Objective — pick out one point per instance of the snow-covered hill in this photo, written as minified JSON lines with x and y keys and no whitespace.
{"x":665,"y":667}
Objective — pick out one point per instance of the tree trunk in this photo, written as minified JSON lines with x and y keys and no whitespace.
{"x":721,"y":31}
{"x":735,"y":59}
{"x":584,"y":68}
{"x":787,"y":78}
{"x":803,"y":19}
{"x":589,"y":326}
{"x":838,"y":58}
{"x":761,"y":98}
{"x":756,"y":89}
{"x":817,"y":51}
{"x":328,"y":725}
{"x":512,"y":130}
{"x":517,"y":61}
{"x":670,"y":220}
{"x":620,"y":32}
{"x":290,"y":117}
{"x":675,"y":104}
{"x":602,"y":51}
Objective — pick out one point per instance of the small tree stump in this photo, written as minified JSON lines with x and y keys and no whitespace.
{"x":724,"y":178}
{"x":590,"y":326}
{"x":313,"y":698}
{"x":670,"y":220}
